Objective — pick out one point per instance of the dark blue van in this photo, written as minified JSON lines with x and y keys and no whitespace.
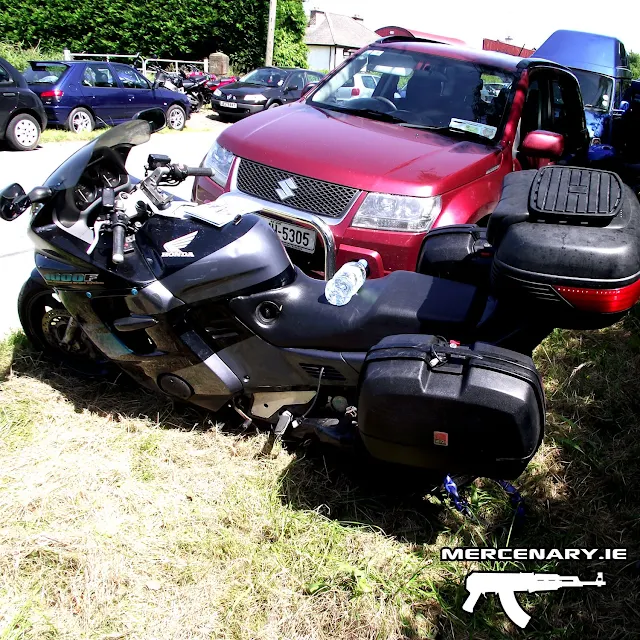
{"x":601,"y":65}
{"x":81,"y":95}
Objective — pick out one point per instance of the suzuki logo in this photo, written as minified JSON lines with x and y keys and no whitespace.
{"x":286,"y":189}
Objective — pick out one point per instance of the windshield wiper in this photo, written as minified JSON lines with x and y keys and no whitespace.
{"x":372,"y":114}
{"x":450,"y":130}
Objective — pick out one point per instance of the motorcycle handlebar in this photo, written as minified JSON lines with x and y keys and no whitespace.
{"x":199,"y":171}
{"x":117,"y":254}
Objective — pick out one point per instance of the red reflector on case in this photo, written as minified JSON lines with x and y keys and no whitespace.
{"x":355,"y":91}
{"x":601,"y":300}
{"x":56,"y":93}
{"x":441,"y":438}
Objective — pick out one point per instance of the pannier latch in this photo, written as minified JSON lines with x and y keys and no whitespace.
{"x":440,"y":354}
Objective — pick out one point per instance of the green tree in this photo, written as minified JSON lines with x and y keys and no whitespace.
{"x":172,"y":28}
{"x":634,"y":63}
{"x":291,"y":23}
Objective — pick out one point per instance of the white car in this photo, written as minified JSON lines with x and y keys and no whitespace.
{"x":361,"y":85}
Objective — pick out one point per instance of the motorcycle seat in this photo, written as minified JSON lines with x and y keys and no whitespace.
{"x":402,"y":302}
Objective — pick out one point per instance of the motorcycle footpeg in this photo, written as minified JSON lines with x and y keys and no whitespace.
{"x":284,"y":421}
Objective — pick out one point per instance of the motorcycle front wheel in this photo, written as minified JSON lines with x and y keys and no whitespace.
{"x":51,"y":329}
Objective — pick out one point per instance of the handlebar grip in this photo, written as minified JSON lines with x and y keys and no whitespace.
{"x":199,"y":171}
{"x":117,"y":254}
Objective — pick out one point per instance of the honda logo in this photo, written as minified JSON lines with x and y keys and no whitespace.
{"x":286,"y":189}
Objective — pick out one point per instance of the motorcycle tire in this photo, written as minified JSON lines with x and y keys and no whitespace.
{"x":196,"y":103}
{"x":44,"y":320}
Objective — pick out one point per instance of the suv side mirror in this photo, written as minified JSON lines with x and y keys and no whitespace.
{"x":308,"y":87}
{"x":543,"y":144}
{"x":292,"y":88}
{"x":622,"y":109}
{"x":158,"y":83}
{"x":13,"y":202}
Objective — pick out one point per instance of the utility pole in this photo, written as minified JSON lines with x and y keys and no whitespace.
{"x":271,"y":32}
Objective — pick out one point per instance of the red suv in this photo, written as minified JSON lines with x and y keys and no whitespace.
{"x":344,"y":178}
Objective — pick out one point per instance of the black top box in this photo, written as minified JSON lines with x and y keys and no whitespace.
{"x":567,"y":242}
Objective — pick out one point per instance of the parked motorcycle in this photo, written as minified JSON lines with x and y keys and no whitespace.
{"x":197,"y":91}
{"x":201,"y":303}
{"x":172,"y":81}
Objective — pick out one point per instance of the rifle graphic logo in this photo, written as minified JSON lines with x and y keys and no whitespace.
{"x":507,"y":584}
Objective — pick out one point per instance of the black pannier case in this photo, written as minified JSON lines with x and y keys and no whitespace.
{"x":567,"y":245}
{"x":474,"y":410}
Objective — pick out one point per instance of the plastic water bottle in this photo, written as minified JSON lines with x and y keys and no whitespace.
{"x":346,"y":282}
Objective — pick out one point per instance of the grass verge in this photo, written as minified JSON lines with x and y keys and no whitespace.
{"x":198,"y":122}
{"x":124,"y":517}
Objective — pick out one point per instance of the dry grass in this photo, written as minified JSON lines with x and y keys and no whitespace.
{"x":123,"y":517}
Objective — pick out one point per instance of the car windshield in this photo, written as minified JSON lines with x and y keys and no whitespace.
{"x":67,"y":175}
{"x":265,"y":77}
{"x":421,"y":90}
{"x":596,"y":89}
{"x":48,"y":73}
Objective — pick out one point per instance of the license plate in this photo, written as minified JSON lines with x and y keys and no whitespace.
{"x":291,"y":235}
{"x":229,"y":105}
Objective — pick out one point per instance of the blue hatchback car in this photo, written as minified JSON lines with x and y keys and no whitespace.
{"x":82,"y":95}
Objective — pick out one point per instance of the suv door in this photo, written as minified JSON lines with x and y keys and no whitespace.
{"x":554,"y":103}
{"x":8,"y":97}
{"x":101,"y":91}
{"x":294,"y":86}
{"x":139,"y":94}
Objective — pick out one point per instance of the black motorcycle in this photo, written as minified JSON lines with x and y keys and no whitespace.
{"x":197,"y":91}
{"x":201,"y":303}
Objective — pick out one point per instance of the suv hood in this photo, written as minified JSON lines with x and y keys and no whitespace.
{"x":358,"y":152}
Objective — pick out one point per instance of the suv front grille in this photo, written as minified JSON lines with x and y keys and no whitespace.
{"x":308,"y":194}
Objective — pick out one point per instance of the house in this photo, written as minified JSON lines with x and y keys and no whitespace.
{"x":332,"y":37}
{"x":504,"y":47}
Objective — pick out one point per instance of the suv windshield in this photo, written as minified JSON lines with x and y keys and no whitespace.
{"x":596,"y":89}
{"x":47,"y":73}
{"x":265,"y":77}
{"x":422,"y":90}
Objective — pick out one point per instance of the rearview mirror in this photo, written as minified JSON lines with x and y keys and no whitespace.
{"x":155,"y":118}
{"x":13,"y":202}
{"x":308,"y":87}
{"x":543,"y":144}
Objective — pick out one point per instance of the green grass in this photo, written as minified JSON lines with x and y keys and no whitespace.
{"x":198,"y":123}
{"x":122,"y":516}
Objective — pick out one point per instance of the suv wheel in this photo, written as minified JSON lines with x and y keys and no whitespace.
{"x":273,"y":105}
{"x":23,"y":132}
{"x":176,"y":117}
{"x":80,"y":119}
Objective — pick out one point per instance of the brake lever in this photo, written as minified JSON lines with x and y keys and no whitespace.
{"x":97,"y":228}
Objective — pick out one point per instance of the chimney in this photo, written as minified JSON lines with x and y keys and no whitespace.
{"x":316,"y":17}
{"x":358,"y":18}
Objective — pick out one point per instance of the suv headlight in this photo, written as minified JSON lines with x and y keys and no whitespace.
{"x":220,"y":160}
{"x":217,"y":93}
{"x":255,"y":97}
{"x":397,"y":213}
